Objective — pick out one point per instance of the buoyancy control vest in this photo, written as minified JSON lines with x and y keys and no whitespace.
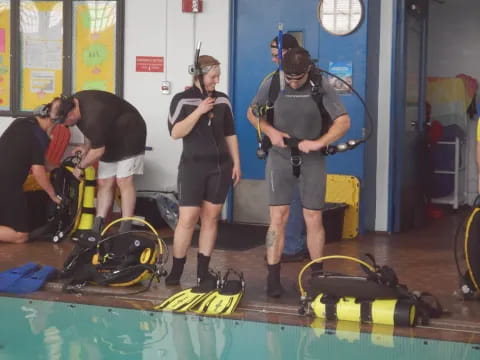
{"x":118,"y":259}
{"x":315,"y":80}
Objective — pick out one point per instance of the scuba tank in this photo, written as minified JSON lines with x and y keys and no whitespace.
{"x":377,"y":298}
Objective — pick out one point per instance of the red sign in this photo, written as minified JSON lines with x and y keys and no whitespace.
{"x":192,"y":6}
{"x":149,"y":64}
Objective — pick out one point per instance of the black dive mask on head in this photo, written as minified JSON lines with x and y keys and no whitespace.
{"x":43,"y":110}
{"x":67,"y":104}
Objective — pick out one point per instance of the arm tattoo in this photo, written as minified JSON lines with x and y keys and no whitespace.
{"x":270,"y":240}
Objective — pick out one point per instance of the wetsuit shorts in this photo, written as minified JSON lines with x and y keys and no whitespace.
{"x":14,"y":212}
{"x":281,"y":180}
{"x":197,"y":183}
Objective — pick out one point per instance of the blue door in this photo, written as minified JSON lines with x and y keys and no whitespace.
{"x":254,"y":25}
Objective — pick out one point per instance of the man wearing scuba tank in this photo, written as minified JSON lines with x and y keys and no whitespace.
{"x":295,"y":232}
{"x":210,"y":162}
{"x":115,"y":135}
{"x":307,"y":116}
{"x":22,"y":148}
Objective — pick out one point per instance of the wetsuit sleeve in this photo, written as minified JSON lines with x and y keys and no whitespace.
{"x":331,"y":101}
{"x":261,"y":98}
{"x":229,"y":126}
{"x":177,"y":112}
{"x":96,"y":124}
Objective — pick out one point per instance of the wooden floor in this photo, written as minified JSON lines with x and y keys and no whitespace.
{"x":423,"y":260}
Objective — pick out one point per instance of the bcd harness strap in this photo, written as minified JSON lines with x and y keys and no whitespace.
{"x":295,"y":156}
{"x":267,"y":110}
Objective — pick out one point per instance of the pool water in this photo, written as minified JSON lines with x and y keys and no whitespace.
{"x":31,"y":329}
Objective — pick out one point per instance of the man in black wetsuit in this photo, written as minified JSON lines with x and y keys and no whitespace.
{"x":115,"y":135}
{"x":22,"y":147}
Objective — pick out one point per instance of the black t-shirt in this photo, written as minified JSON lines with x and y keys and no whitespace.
{"x":110,"y":121}
{"x":206,"y":141}
{"x":22,"y":145}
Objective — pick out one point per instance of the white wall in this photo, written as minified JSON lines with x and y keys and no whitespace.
{"x":454,"y":44}
{"x":159,"y":28}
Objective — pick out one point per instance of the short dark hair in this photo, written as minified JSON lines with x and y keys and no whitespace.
{"x":65,"y":105}
{"x":288,"y":42}
{"x":296,"y":61}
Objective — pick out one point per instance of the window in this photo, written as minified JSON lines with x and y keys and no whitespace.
{"x":58,"y":47}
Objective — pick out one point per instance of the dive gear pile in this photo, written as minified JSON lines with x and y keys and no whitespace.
{"x":119,"y":259}
{"x":377,"y":298}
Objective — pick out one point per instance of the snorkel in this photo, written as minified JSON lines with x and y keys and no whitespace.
{"x":200,"y":73}
{"x":280,"y":57}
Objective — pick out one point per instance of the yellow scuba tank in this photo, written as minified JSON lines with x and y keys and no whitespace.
{"x":375,"y":299}
{"x":85,"y":212}
{"x":385,"y":311}
{"x":87,"y":215}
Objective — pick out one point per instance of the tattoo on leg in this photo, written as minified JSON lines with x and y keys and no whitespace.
{"x":270,"y":240}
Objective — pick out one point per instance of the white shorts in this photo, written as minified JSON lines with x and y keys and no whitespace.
{"x":121,"y":169}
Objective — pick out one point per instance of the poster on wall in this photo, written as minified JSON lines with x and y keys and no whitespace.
{"x":4,"y":55}
{"x":94,"y":39}
{"x":41,"y":41}
{"x":342,"y":69}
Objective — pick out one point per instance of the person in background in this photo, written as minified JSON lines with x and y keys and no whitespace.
{"x":22,"y":148}
{"x":115,"y":135}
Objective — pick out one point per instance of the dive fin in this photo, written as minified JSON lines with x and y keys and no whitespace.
{"x":9,"y":277}
{"x":187,"y":299}
{"x":32,"y":281}
{"x":225,"y":300}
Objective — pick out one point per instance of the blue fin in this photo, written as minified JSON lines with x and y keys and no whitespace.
{"x":32,"y":282}
{"x":11,"y":276}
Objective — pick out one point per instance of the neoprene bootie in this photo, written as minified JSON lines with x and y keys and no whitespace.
{"x":125,"y":226}
{"x":274,"y":287}
{"x":98,"y":224}
{"x":316,"y":269}
{"x":203,"y":262}
{"x":175,"y":274}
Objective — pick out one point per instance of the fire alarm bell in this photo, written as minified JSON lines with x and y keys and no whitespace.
{"x":165,"y":87}
{"x":192,"y":6}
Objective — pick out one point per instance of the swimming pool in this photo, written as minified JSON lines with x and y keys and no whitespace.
{"x":33,"y":329}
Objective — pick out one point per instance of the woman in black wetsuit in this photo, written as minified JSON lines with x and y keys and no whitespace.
{"x":210,"y":163}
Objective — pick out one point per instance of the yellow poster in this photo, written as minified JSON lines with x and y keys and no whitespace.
{"x":41,"y":38}
{"x":94,"y":39}
{"x":4,"y":55}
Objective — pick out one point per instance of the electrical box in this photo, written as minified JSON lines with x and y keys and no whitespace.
{"x":192,"y":6}
{"x":166,"y":87}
